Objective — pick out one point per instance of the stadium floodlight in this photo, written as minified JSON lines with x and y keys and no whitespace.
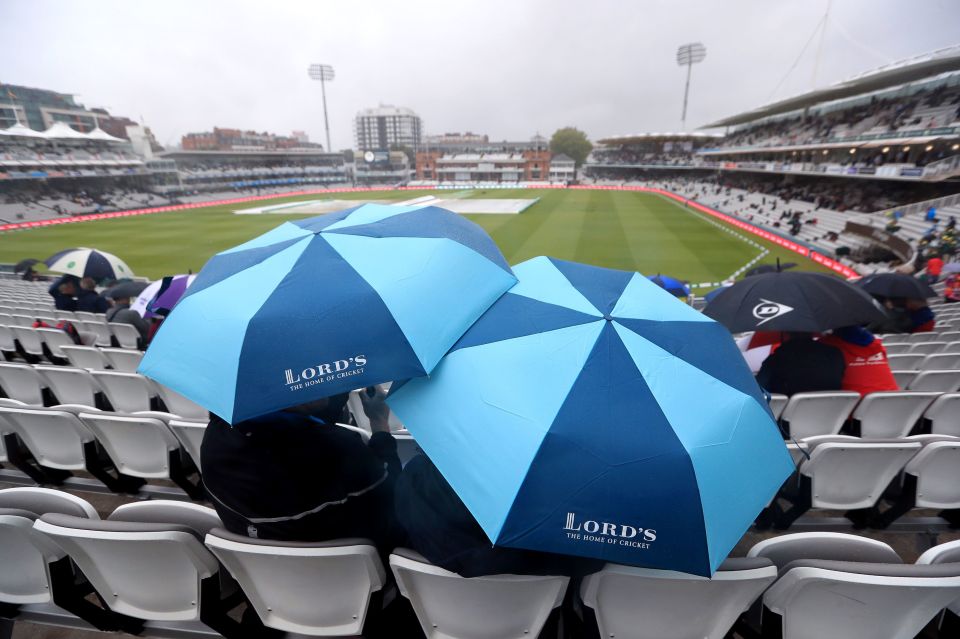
{"x":689,"y":55}
{"x":324,"y":73}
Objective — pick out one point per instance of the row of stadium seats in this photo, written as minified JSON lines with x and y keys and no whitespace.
{"x":161,"y":564}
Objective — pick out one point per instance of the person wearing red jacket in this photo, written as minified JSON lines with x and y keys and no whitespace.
{"x":867,"y":367}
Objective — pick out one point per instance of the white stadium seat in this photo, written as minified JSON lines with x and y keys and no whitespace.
{"x":643,"y":603}
{"x":85,"y":357}
{"x":813,"y":414}
{"x":853,"y":600}
{"x":944,"y":415}
{"x":777,"y":404}
{"x":783,"y":549}
{"x":127,"y":335}
{"x":890,"y":414}
{"x":937,"y":381}
{"x":126,"y":392}
{"x":190,"y":435}
{"x":123,"y":360}
{"x":180,"y":405}
{"x":318,"y":589}
{"x":21,"y":382}
{"x":55,"y":339}
{"x":29,"y":340}
{"x":903,"y":378}
{"x":941,"y":362}
{"x":56,"y":438}
{"x":907,"y":362}
{"x":69,"y":385}
{"x":448,"y":605}
{"x":98,"y":328}
{"x":926,"y":348}
{"x":138,"y":446}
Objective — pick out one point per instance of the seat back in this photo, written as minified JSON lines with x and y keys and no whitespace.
{"x":811,"y":414}
{"x":70,"y":385}
{"x":127,"y":335}
{"x":891,"y":414}
{"x":200,"y":519}
{"x":941,"y":362}
{"x":944,"y":415}
{"x":138,"y":446}
{"x":190,"y":435}
{"x":99,"y":328}
{"x":21,"y":382}
{"x":937,"y":469}
{"x":897,"y":348}
{"x":783,"y":549}
{"x":29,"y":339}
{"x":55,"y":438}
{"x":55,"y":338}
{"x":127,"y":392}
{"x":777,"y":404}
{"x":26,"y":554}
{"x":6,"y":338}
{"x":144,"y":570}
{"x":937,"y":381}
{"x":660,"y":604}
{"x":319,"y":588}
{"x":925,"y":348}
{"x":905,"y":362}
{"x":85,"y":357}
{"x":180,"y":405}
{"x":123,"y":360}
{"x":852,"y":476}
{"x":860,"y":601}
{"x":903,"y":378}
{"x":448,"y":605}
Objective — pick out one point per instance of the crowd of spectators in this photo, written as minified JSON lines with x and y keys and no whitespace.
{"x":879,"y":115}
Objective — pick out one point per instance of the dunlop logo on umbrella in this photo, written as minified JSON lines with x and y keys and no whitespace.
{"x":325,"y":372}
{"x":767,"y":310}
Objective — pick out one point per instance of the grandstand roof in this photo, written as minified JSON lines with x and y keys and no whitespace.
{"x":21,"y":131}
{"x":885,"y":77}
{"x":648,"y":137}
{"x":62,"y":131}
{"x":100,"y":134}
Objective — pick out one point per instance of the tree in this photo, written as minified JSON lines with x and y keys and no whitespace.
{"x":572,"y":142}
{"x":411,"y":156}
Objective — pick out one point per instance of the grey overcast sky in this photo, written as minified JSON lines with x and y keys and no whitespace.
{"x":508,"y":68}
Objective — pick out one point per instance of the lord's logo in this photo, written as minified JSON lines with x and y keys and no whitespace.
{"x":605,"y":532}
{"x":321,"y":373}
{"x":767,"y":310}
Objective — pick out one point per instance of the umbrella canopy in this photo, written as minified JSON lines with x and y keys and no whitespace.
{"x":325,"y":305}
{"x":952,"y":267}
{"x":896,"y":285}
{"x":23,"y":265}
{"x":87,"y":262}
{"x":769,"y":268}
{"x":590,"y":413}
{"x":128,"y":289}
{"x":670,"y":284}
{"x":793,"y":301}
{"x":713,"y":294}
{"x":159,"y":298}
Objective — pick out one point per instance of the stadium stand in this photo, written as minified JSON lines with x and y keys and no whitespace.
{"x":78,"y":418}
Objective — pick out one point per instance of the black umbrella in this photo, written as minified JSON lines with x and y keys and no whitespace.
{"x":768,"y":268}
{"x":792,"y":301}
{"x":126,"y":289}
{"x":23,"y":265}
{"x":896,"y":285}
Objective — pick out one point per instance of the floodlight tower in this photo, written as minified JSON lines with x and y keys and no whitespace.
{"x":324,"y":73}
{"x":689,"y":55}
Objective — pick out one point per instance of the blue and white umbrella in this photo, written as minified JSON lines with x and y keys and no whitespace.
{"x":87,"y":262}
{"x":671,"y":284}
{"x":590,"y":413}
{"x":325,"y":305}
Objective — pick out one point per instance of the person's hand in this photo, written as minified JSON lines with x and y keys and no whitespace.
{"x":376,"y":408}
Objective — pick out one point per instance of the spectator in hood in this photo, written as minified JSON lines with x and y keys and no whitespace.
{"x":295,"y":475}
{"x":867,"y":369}
{"x":802,"y":365}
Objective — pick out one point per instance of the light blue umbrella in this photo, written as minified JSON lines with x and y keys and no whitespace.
{"x":325,"y":305}
{"x":591,"y":413}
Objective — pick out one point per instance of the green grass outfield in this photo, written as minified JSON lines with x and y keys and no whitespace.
{"x":616,"y":229}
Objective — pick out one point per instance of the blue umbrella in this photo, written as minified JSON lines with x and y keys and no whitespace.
{"x":670,"y":284}
{"x":325,"y":305}
{"x":713,"y":294}
{"x":590,"y":413}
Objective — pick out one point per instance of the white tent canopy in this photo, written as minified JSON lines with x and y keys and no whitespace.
{"x":21,"y":131}
{"x":62,"y":131}
{"x":100,"y":134}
